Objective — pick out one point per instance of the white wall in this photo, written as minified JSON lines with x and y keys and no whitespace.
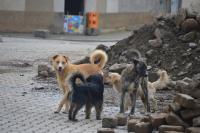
{"x":59,"y":5}
{"x":12,"y":5}
{"x":193,"y":5}
{"x":90,"y":5}
{"x":112,"y":6}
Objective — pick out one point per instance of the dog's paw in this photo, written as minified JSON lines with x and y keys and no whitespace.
{"x":75,"y":120}
{"x":87,"y":117}
{"x":56,"y":112}
{"x":65,"y":112}
{"x":98,"y":118}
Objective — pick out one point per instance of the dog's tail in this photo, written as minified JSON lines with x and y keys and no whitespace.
{"x":73,"y":78}
{"x":99,"y":57}
{"x":163,"y":80}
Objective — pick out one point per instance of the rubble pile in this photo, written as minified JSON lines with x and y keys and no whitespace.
{"x":171,"y":43}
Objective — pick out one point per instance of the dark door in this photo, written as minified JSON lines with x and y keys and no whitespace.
{"x":74,"y":7}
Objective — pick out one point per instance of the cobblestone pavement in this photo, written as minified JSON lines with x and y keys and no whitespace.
{"x":24,"y":109}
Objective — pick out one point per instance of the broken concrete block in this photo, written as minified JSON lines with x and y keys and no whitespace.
{"x":164,"y":128}
{"x":42,"y":33}
{"x":157,"y":120}
{"x":185,"y":100}
{"x":198,"y":18}
{"x":143,"y":127}
{"x":172,"y":132}
{"x":131,"y":124}
{"x":156,"y":43}
{"x":105,"y":130}
{"x":193,"y":130}
{"x":109,"y":122}
{"x":174,"y":107}
{"x":121,"y":120}
{"x":117,"y":67}
{"x":43,"y":74}
{"x":190,"y":113}
{"x":189,"y":25}
{"x":173,"y":119}
{"x":196,"y":122}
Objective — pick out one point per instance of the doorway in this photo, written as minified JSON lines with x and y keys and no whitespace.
{"x":74,"y":7}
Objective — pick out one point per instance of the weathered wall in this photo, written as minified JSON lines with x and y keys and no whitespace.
{"x":193,"y":5}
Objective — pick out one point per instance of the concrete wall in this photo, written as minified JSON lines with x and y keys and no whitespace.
{"x":12,"y":5}
{"x":192,"y":5}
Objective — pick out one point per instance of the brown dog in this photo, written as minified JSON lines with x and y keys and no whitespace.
{"x":115,"y":80}
{"x":63,"y":68}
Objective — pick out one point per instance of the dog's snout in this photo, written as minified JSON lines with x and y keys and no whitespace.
{"x":59,"y":68}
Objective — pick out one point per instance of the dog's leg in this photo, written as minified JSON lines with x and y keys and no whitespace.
{"x":122,"y":101}
{"x":144,"y":83}
{"x":154,"y":102}
{"x":77,"y":108}
{"x":98,"y":108}
{"x":62,"y":102}
{"x":133,"y":102}
{"x":71,"y":111}
{"x":88,"y":108}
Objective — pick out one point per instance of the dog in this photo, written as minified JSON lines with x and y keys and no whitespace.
{"x":89,"y":93}
{"x":63,"y":68}
{"x":115,"y":80}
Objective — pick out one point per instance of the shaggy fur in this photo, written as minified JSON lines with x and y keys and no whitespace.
{"x":89,"y":93}
{"x":63,"y":68}
{"x":115,"y":80}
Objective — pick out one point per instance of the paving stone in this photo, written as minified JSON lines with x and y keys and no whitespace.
{"x":131,"y":124}
{"x":143,"y":127}
{"x":105,"y":130}
{"x":164,"y":128}
{"x":109,"y":122}
{"x":196,"y":122}
{"x":157,"y":120}
{"x":193,"y":130}
{"x":121,"y":120}
{"x":190,"y":113}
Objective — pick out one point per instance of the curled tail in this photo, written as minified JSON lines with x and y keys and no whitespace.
{"x":72,"y":80}
{"x":162,"y":81}
{"x":99,"y":57}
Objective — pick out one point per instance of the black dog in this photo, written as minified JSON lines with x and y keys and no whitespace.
{"x":133,"y":77}
{"x":89,"y":93}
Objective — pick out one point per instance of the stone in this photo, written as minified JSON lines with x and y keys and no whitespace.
{"x":189,"y":25}
{"x":185,"y":100}
{"x":181,"y":73}
{"x":109,"y":122}
{"x":187,"y":80}
{"x":118,"y":67}
{"x":159,"y":34}
{"x":173,"y":119}
{"x":193,"y":45}
{"x":143,"y":127}
{"x":172,"y":132}
{"x":164,"y":128}
{"x":198,"y":18}
{"x":43,"y":74}
{"x":174,"y":107}
{"x":193,"y":130}
{"x":42,"y":33}
{"x":105,"y":130}
{"x":103,"y":47}
{"x":121,"y":120}
{"x":180,"y":17}
{"x":149,"y":52}
{"x":156,"y":43}
{"x":196,"y":76}
{"x":131,"y":124}
{"x":188,"y":114}
{"x":157,"y":119}
{"x":196,"y":122}
{"x":181,"y":84}
{"x":43,"y":67}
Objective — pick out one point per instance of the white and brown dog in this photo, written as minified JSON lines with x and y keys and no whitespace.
{"x":63,"y":68}
{"x":115,"y":80}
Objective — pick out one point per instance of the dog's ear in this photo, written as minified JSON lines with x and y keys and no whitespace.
{"x":54,"y":57}
{"x":66,"y":58}
{"x":135,"y":61}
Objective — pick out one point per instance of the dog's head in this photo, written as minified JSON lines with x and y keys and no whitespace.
{"x":140,"y":67}
{"x":113,"y":78}
{"x":60,"y":62}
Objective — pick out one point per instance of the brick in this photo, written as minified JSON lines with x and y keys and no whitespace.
{"x":196,"y":122}
{"x":173,"y":119}
{"x":189,"y":113}
{"x":105,"y":130}
{"x":193,"y":130}
{"x":164,"y":128}
{"x":42,"y":33}
{"x":143,"y":127}
{"x":157,"y":120}
{"x":131,"y":124}
{"x":121,"y":120}
{"x":109,"y":122}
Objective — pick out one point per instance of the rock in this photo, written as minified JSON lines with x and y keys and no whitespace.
{"x":188,"y":37}
{"x":196,"y":76}
{"x":118,"y":67}
{"x":1,"y":39}
{"x":155,"y":43}
{"x":174,"y":107}
{"x":157,"y":120}
{"x":143,"y":127}
{"x":164,"y":128}
{"x":149,"y":52}
{"x":131,"y":124}
{"x":187,"y":80}
{"x":193,"y":45}
{"x":189,"y":25}
{"x":105,"y":130}
{"x":122,"y":59}
{"x":109,"y":122}
{"x":43,"y":74}
{"x":198,"y":18}
{"x":158,"y":34}
{"x":121,"y":120}
{"x":180,"y":17}
{"x":196,"y":122}
{"x":173,"y":119}
{"x":103,"y":47}
{"x":39,"y":88}
{"x":172,"y":132}
{"x":187,"y":114}
{"x":180,"y":84}
{"x":185,"y":100}
{"x":42,"y":33}
{"x":43,"y":67}
{"x":193,"y":130}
